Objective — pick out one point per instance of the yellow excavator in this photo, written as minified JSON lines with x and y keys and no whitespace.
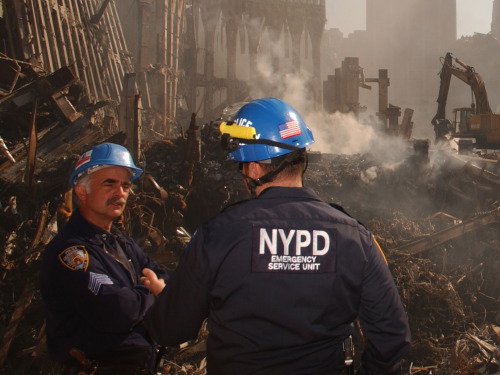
{"x":476,"y":122}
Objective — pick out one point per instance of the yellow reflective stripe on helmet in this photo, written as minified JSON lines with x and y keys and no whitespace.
{"x":238,"y":131}
{"x":380,"y":249}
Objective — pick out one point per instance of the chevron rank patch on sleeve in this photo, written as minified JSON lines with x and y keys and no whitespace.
{"x":96,"y":280}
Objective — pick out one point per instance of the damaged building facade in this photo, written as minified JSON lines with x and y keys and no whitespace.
{"x":180,"y":56}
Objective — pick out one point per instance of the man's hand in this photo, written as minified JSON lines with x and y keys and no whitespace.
{"x":152,"y":282}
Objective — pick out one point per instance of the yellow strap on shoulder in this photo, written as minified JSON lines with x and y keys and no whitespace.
{"x":379,"y":249}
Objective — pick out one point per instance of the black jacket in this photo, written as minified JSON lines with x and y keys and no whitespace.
{"x":281,"y":279}
{"x":92,"y":302}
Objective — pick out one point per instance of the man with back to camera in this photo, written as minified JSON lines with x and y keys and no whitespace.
{"x":283,"y":276}
{"x":90,"y":277}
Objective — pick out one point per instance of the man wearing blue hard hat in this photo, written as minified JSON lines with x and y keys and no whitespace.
{"x":91,"y":274}
{"x":281,"y":277}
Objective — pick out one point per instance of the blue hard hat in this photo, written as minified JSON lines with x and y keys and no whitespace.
{"x":264,"y":129}
{"x":105,"y":154}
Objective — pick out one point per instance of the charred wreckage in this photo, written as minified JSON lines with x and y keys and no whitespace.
{"x":67,"y":82}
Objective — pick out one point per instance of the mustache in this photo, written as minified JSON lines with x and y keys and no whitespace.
{"x":116,"y":200}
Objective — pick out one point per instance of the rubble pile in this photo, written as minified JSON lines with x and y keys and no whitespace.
{"x":450,"y":286}
{"x":450,"y":291}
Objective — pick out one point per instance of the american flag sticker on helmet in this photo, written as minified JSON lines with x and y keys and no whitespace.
{"x":289,"y":129}
{"x":83,"y":159}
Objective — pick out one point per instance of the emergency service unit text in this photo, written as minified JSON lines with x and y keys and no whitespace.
{"x":293,"y":250}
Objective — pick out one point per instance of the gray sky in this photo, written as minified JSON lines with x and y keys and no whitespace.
{"x":349,"y":15}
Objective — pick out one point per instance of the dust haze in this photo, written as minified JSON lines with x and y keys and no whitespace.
{"x":337,"y":133}
{"x":409,"y":39}
{"x":406,"y":38}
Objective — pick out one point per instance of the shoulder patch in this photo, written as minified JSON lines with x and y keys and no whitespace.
{"x":76,"y":258}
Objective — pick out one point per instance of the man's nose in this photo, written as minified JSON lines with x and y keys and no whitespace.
{"x":122,"y":191}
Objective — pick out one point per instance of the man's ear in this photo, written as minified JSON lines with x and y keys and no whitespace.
{"x":255,"y":170}
{"x":80,"y":191}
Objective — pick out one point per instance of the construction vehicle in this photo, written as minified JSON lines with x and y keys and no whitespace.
{"x":476,"y":123}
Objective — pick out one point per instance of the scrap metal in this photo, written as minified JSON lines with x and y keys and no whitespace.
{"x":45,"y":88}
{"x":436,"y":239}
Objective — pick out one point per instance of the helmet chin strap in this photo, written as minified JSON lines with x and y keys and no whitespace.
{"x":289,"y":159}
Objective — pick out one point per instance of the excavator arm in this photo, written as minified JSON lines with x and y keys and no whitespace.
{"x":444,"y":88}
{"x":466,"y":74}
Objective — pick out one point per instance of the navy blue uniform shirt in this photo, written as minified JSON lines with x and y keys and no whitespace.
{"x":93,"y":298}
{"x":281,"y":279}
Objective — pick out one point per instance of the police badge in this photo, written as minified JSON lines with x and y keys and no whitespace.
{"x":75,"y":258}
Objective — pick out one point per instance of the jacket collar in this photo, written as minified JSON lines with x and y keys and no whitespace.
{"x":288,"y":193}
{"x":85,"y":228}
